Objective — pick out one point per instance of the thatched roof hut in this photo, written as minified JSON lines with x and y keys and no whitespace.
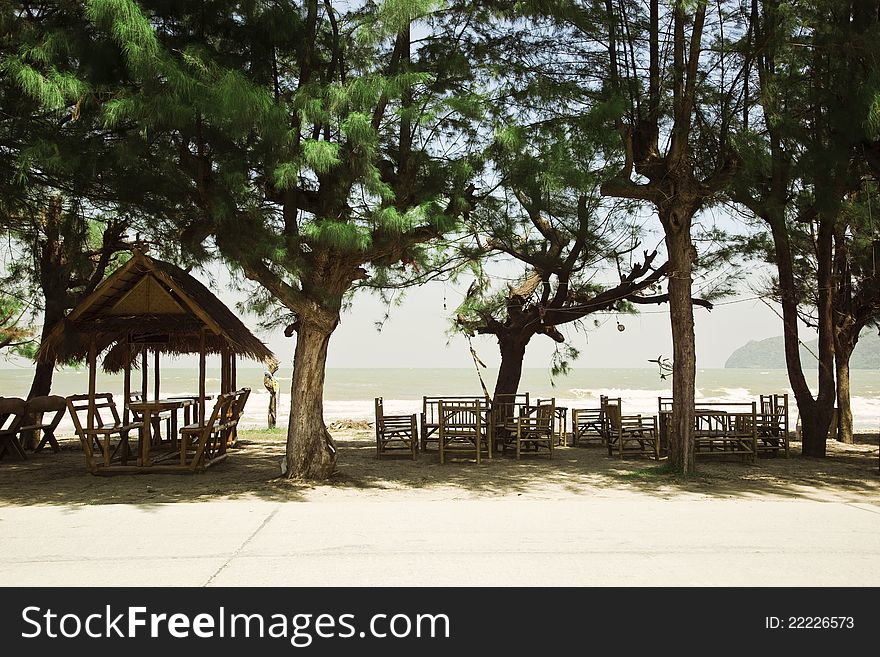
{"x":149,"y":306}
{"x":152,"y":304}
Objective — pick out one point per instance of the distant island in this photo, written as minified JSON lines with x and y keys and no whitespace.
{"x":770,"y":354}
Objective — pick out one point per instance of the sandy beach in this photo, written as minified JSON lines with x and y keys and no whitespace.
{"x":849,"y":474}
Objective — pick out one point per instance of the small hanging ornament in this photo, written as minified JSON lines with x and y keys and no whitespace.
{"x":620,"y":327}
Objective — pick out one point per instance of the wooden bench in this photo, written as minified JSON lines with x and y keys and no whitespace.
{"x":395,"y":433}
{"x":37,"y":410}
{"x":98,"y":437}
{"x":12,"y":415}
{"x":204,"y":444}
{"x":430,"y":417}
{"x":237,"y":410}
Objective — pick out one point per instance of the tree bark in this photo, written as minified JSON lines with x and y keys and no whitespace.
{"x":814,"y":442}
{"x":311,"y":452}
{"x":842,"y":355}
{"x":681,"y":314}
{"x":815,"y":413}
{"x":41,"y":384}
{"x":513,"y":350}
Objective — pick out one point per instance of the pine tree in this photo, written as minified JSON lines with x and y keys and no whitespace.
{"x":69,"y":181}
{"x":680,"y":98}
{"x":321,"y":147}
{"x":802,"y":158}
{"x":550,"y":218}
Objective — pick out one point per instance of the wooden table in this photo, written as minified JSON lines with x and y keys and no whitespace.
{"x":191,"y":411}
{"x":150,"y":411}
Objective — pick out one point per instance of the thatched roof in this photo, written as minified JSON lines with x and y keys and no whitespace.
{"x":147,"y":301}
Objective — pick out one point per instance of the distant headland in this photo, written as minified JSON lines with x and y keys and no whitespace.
{"x":770,"y":353}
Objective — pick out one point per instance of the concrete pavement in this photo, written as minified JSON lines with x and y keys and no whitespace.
{"x":625,"y":540}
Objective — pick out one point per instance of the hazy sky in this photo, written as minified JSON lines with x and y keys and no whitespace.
{"x":416,"y":335}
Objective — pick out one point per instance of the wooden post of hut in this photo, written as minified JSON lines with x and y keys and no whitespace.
{"x":144,"y":372}
{"x":126,"y":385}
{"x":202,"y":378}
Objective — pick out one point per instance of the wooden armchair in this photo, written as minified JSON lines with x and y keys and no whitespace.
{"x":505,"y":409}
{"x":589,"y":424}
{"x":395,"y":433}
{"x":12,"y":415}
{"x":534,"y":428}
{"x":631,"y":434}
{"x":37,"y":410}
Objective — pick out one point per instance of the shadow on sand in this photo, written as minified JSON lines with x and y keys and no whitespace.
{"x":850,"y":474}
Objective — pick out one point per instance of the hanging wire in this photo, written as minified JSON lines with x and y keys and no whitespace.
{"x":477,"y":364}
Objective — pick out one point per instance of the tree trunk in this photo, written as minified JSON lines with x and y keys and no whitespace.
{"x":41,"y":384}
{"x":681,"y":315}
{"x":815,"y":413}
{"x":311,"y":452}
{"x":842,"y":357}
{"x":513,"y":351}
{"x":814,"y":442}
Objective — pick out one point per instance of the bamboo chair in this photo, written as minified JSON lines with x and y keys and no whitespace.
{"x":505,"y":409}
{"x":589,"y":424}
{"x":395,"y":433}
{"x":12,"y":415}
{"x":464,"y":429}
{"x":535,"y":428}
{"x":38,"y":407}
{"x":773,"y":424}
{"x":631,"y":434}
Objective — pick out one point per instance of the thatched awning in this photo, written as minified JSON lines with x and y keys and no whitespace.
{"x":151,"y":303}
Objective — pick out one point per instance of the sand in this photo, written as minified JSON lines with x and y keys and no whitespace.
{"x":848,"y":474}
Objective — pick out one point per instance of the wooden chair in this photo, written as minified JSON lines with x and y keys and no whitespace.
{"x":205,"y":444}
{"x":534,"y":428}
{"x":589,"y":423}
{"x":430,"y":418}
{"x":464,"y":429}
{"x":631,"y":434}
{"x":505,"y":409}
{"x":12,"y":415}
{"x":37,"y":410}
{"x":395,"y":433}
{"x":726,"y":429}
{"x":773,"y":424}
{"x":99,"y":437}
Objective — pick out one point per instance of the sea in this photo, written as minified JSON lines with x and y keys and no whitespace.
{"x":349,"y":393}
